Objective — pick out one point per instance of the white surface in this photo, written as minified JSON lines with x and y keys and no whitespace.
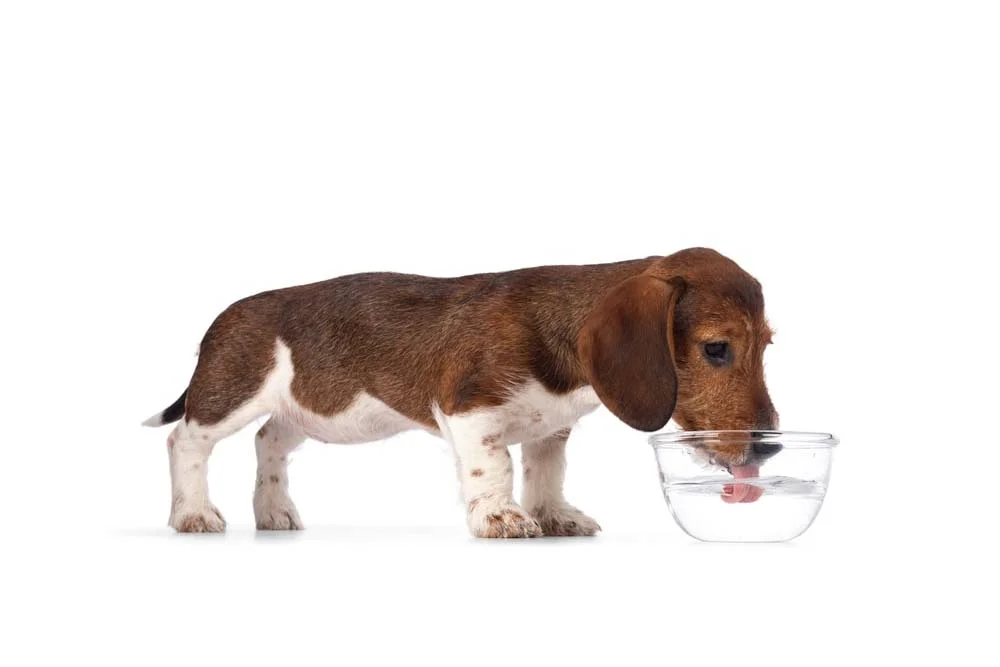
{"x":159,"y":162}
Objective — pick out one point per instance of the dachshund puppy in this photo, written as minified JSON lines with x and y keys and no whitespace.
{"x":484,"y":361}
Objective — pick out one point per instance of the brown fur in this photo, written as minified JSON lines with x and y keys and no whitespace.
{"x":553,"y":527}
{"x":633,"y":330}
{"x":625,"y":344}
{"x":509,"y":523}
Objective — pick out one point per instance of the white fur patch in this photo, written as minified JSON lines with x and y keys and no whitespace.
{"x":272,"y":506}
{"x":532,"y":413}
{"x":364,"y":420}
{"x":480,"y":438}
{"x":155,"y":420}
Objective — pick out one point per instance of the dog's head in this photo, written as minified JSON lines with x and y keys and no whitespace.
{"x":685,"y":338}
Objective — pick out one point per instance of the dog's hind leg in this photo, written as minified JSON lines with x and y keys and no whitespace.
{"x":272,"y":506}
{"x":222,"y":398}
{"x":188,"y":448}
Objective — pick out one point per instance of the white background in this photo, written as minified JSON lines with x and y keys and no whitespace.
{"x":160,"y":160}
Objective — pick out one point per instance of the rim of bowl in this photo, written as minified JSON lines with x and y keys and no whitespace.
{"x":789,"y":439}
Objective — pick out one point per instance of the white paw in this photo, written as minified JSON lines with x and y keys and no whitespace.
{"x":564,"y":520}
{"x":203,"y":519}
{"x":276,"y":514}
{"x":492,"y":518}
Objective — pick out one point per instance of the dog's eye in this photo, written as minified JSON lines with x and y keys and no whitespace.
{"x":717,"y":353}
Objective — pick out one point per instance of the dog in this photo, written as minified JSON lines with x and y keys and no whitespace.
{"x":484,"y":361}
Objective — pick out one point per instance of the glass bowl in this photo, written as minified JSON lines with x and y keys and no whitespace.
{"x":744,"y":486}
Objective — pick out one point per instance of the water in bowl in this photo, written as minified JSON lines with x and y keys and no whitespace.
{"x":785,"y":510}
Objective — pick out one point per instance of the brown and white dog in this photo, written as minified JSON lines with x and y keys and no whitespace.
{"x":484,"y":361}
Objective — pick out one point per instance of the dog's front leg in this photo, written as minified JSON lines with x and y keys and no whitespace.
{"x":544,"y":468}
{"x":486,"y":473}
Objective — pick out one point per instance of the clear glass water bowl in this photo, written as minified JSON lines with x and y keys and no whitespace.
{"x":744,"y":486}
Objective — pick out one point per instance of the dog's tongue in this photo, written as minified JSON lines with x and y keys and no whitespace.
{"x":742,"y":493}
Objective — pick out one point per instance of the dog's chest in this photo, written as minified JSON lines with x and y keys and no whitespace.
{"x":533,"y":412}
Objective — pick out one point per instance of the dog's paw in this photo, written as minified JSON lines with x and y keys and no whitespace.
{"x":278,"y":517}
{"x":206,"y":519}
{"x":491,"y":519}
{"x":565,"y":520}
{"x":274,"y":510}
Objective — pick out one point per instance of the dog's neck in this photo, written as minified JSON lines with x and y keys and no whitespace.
{"x":558,"y":309}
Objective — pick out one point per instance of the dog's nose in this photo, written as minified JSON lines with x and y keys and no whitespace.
{"x":765,"y":449}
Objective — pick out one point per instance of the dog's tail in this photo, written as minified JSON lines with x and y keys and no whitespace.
{"x":170,"y":415}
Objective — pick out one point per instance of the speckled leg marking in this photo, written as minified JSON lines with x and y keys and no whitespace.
{"x":272,"y":506}
{"x":191,"y":443}
{"x":544,"y":463}
{"x":191,"y":511}
{"x":486,"y":473}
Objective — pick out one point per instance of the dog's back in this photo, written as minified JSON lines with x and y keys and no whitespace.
{"x":410,"y":340}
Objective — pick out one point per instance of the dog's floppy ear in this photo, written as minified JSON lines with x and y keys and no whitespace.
{"x":626,"y":346}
